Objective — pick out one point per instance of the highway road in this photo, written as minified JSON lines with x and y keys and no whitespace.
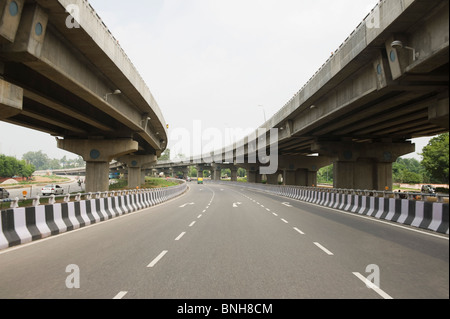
{"x":226,"y":242}
{"x":33,"y":190}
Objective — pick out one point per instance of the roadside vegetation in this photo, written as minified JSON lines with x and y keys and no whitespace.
{"x":150,"y":182}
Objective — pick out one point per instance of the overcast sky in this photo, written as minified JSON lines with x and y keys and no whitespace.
{"x":226,"y":63}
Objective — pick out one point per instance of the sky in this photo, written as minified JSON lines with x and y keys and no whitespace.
{"x":226,"y":64}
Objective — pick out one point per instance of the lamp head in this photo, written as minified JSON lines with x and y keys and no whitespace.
{"x":397,"y":44}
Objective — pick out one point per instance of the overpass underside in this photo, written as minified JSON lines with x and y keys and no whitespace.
{"x":373,"y":95}
{"x":59,"y":76}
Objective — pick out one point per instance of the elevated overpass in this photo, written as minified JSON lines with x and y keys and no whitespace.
{"x":63,"y":73}
{"x":385,"y":85}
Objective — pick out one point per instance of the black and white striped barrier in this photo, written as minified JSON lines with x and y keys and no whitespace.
{"x":389,"y":206}
{"x":24,"y":225}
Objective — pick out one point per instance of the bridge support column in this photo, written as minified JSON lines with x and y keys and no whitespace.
{"x":305,"y":177}
{"x":98,"y":154}
{"x":234,"y":170}
{"x":274,"y":179}
{"x":200,"y":169}
{"x":302,"y":170}
{"x":252,"y":170}
{"x":216,"y":172}
{"x":135,"y":163}
{"x":363,"y":166}
{"x":289,"y":177}
{"x":185,"y":171}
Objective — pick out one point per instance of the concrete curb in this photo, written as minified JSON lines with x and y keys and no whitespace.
{"x":420,"y":214}
{"x":23,"y":225}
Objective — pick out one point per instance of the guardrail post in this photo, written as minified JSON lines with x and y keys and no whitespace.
{"x":36,"y":201}
{"x":67,"y":198}
{"x":51,"y":200}
{"x":15,"y":203}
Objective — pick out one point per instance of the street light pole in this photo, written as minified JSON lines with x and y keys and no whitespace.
{"x":264,"y":112}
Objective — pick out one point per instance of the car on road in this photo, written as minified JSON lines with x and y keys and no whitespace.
{"x":4,"y":194}
{"x":52,"y":190}
{"x":428,"y":189}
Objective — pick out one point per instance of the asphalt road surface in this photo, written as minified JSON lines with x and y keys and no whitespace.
{"x":227,"y":242}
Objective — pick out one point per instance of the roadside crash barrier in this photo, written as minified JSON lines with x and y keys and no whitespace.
{"x":21,"y":225}
{"x":413,"y":209}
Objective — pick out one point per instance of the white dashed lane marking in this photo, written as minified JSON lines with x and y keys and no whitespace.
{"x":155,"y":261}
{"x":324,"y":249}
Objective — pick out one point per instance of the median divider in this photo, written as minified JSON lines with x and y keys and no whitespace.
{"x":402,"y":208}
{"x":21,"y":225}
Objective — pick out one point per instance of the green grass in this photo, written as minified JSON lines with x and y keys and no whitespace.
{"x":158,"y":183}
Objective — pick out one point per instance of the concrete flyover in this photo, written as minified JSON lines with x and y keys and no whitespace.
{"x":63,"y":73}
{"x":385,"y":85}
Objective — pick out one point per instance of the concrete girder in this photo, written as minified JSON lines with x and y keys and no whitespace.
{"x":11,"y":99}
{"x":438,"y":113}
{"x":30,"y":35}
{"x":10,"y":14}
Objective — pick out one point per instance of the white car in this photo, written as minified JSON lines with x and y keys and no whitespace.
{"x":52,"y":190}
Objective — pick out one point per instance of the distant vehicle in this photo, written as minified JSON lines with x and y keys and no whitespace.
{"x":114,"y":175}
{"x":199,"y":180}
{"x":4,"y":194}
{"x":188,"y":179}
{"x":52,"y":190}
{"x":428,"y":189}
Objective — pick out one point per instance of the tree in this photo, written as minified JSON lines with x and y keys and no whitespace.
{"x":165,"y":156}
{"x":325,"y":174}
{"x":38,"y":159}
{"x":407,"y":170}
{"x":10,"y":167}
{"x":436,"y":158}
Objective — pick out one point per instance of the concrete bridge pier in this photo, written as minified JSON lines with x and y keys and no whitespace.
{"x":274,"y":179}
{"x":204,"y":167}
{"x":363,"y":165}
{"x":185,"y":171}
{"x":253,"y":174}
{"x":301,"y":170}
{"x":98,"y":154}
{"x":135,"y":163}
{"x":304,"y":177}
{"x":216,"y":172}
{"x":234,"y":171}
